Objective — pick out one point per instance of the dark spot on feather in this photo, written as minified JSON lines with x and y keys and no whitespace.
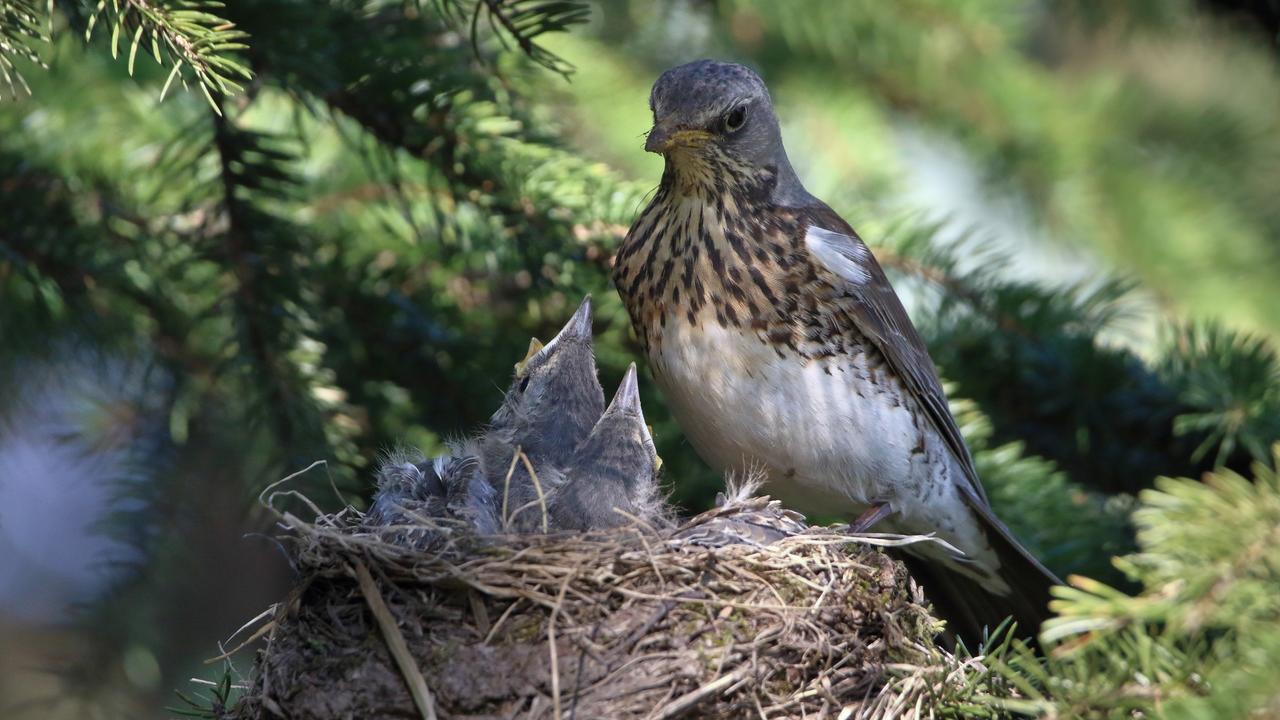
{"x":781,"y":334}
{"x":763,"y":284}
{"x":731,"y":314}
{"x":717,"y":262}
{"x":738,"y":245}
{"x":665,"y":277}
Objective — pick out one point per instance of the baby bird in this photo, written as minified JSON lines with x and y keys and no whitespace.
{"x":554,"y":399}
{"x":405,"y":488}
{"x":553,"y":402}
{"x":613,"y":475}
{"x":467,"y":492}
{"x":552,"y":457}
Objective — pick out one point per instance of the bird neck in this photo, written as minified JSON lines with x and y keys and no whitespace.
{"x":703,"y":173}
{"x":788,"y":191}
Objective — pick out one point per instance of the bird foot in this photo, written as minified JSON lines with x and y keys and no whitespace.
{"x":870,"y":517}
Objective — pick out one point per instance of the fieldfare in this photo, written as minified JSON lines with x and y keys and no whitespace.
{"x":780,"y":345}
{"x":403,"y":488}
{"x":613,"y":475}
{"x":448,"y":487}
{"x":553,"y":402}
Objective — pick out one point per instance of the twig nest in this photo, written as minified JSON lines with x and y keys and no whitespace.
{"x":739,"y":611}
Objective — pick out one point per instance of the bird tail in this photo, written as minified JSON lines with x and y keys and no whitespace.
{"x":971,"y":609}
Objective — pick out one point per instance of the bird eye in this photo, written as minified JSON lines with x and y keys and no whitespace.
{"x":524,"y":383}
{"x":735,"y":118}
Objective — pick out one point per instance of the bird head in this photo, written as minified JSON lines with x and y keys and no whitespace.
{"x":708,"y":109}
{"x":555,"y":397}
{"x":621,"y":447}
{"x":616,"y":467}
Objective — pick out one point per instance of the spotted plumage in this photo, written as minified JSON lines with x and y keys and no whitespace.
{"x":781,"y":346}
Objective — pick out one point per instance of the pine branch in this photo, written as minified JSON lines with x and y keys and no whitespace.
{"x":1201,"y":638}
{"x":243,"y":161}
{"x":1209,"y":563}
{"x":524,"y":20}
{"x":21,"y":27}
{"x":57,"y":270}
{"x":517,"y":21}
{"x":1230,"y":383}
{"x":186,"y":33}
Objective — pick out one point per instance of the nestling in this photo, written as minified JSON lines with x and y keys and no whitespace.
{"x":554,"y":400}
{"x":613,"y":475}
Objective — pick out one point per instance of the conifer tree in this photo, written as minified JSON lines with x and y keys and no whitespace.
{"x":345,"y":219}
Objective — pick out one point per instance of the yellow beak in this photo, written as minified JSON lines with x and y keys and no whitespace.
{"x":534,"y":346}
{"x":662,"y":138}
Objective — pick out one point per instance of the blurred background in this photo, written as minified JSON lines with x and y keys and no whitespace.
{"x":338,"y":239}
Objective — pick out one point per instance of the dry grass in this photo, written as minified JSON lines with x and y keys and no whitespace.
{"x":635,"y":623}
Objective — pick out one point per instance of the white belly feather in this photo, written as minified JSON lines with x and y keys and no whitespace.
{"x":734,"y":396}
{"x":818,"y":440}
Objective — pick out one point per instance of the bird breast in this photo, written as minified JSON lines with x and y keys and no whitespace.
{"x":830,"y":437}
{"x":818,"y":427}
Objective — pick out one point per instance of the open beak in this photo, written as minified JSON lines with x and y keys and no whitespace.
{"x":662,"y":138}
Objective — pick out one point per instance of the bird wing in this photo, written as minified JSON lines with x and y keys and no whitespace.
{"x":880,"y":316}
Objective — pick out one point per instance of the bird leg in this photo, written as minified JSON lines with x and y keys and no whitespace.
{"x":870,"y":516}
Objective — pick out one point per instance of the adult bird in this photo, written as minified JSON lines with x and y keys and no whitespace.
{"x":780,"y":346}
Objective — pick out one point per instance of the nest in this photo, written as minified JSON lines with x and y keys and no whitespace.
{"x":742,"y":611}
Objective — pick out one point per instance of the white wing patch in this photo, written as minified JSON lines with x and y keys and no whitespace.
{"x":839,"y":253}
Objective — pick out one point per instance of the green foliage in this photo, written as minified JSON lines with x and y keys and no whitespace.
{"x":1201,"y":639}
{"x":1199,"y":572}
{"x":1230,"y":385}
{"x":20,"y":28}
{"x":522,"y":21}
{"x":187,"y":35}
{"x":1068,"y":526}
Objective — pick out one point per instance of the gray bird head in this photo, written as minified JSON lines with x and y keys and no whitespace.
{"x":621,"y":431}
{"x":404,"y":488}
{"x":555,"y":397}
{"x":705,"y":110}
{"x":617,"y":467}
